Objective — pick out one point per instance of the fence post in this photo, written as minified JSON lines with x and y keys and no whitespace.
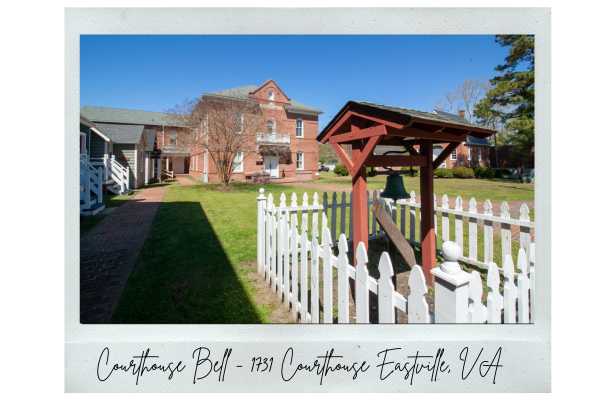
{"x":260,"y":229}
{"x":451,"y":287}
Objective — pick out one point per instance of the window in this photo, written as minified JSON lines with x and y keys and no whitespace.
{"x":469,"y":153}
{"x":300,"y":160}
{"x":238,"y":162}
{"x":239,"y":123}
{"x":173,"y":138}
{"x":270,"y":126}
{"x":479,"y":155}
{"x":453,"y":155}
{"x":299,"y":127}
{"x":271,"y":95}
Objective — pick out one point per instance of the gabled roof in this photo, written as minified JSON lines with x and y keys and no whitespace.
{"x":119,"y":133}
{"x":274,"y":83}
{"x":470,"y":139}
{"x":129,"y":116}
{"x":426,"y":116}
{"x":407,"y":116}
{"x":243,"y":93}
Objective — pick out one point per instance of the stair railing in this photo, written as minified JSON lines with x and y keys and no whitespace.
{"x":119,"y":174}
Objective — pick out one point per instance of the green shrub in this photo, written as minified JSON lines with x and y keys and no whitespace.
{"x":371,"y":171}
{"x":413,"y":172}
{"x":443,"y":173}
{"x":501,"y":173}
{"x":483,"y":172}
{"x":340,"y":170}
{"x":463,"y":172}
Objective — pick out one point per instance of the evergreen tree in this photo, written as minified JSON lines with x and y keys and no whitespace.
{"x":510,"y":101}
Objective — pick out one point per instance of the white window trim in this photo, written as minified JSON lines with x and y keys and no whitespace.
{"x":301,"y":127}
{"x":274,"y":126}
{"x":240,"y":167}
{"x":271,"y":95}
{"x":300,"y":168}
{"x":468,"y":154}
{"x":454,"y":155}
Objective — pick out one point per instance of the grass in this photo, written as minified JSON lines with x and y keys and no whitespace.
{"x":110,"y":201}
{"x":196,"y":264}
{"x":193,"y":267}
{"x":481,"y":189}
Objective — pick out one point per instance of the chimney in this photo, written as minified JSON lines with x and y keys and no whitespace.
{"x":461,"y":113}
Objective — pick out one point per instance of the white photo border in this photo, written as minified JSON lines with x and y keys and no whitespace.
{"x":83,"y":342}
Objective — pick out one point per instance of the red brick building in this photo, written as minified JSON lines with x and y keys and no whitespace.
{"x":474,"y":152}
{"x":285,"y":124}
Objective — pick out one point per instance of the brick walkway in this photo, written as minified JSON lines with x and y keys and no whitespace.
{"x":109,"y":251}
{"x":185,"y":180}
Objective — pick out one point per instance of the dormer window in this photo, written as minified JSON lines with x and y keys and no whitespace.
{"x":271,"y":95}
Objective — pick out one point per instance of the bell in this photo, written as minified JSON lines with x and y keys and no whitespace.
{"x":394,"y":188}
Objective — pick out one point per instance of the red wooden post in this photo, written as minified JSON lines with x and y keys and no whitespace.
{"x":360,"y":206}
{"x":428,"y":255}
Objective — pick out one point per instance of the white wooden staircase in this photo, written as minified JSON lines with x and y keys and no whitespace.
{"x":90,"y":188}
{"x":115,"y":175}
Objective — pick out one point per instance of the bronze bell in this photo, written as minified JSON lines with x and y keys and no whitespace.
{"x":394,"y":188}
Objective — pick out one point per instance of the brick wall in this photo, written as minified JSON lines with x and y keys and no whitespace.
{"x":285,"y":123}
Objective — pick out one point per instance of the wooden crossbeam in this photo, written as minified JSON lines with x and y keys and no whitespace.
{"x":396,"y":237}
{"x":343,"y":156}
{"x":395,"y":161}
{"x":365,"y":133}
{"x":365,"y":152}
{"x":444,"y":154}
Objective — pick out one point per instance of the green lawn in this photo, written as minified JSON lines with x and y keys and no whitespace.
{"x":481,"y":189}
{"x":196,"y":263}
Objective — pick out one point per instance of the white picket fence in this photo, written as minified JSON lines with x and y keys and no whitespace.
{"x":287,"y":256}
{"x":479,"y":226}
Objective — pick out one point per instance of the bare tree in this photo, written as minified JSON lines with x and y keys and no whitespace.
{"x":464,"y":97}
{"x":225,"y":128}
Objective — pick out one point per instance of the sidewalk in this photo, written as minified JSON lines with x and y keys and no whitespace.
{"x":109,"y":251}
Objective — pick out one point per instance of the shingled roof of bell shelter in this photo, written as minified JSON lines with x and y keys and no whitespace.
{"x":130,"y":116}
{"x":410,"y":116}
{"x":243,"y":93}
{"x":470,"y":139}
{"x":119,"y":133}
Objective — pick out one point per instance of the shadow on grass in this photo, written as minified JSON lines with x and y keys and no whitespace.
{"x":183,"y":274}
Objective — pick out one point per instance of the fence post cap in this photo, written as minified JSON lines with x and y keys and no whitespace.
{"x":451,"y":253}
{"x":261,"y":194}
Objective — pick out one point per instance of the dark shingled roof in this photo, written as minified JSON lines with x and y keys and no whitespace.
{"x":470,"y":139}
{"x":450,"y":120}
{"x":128,"y":116}
{"x":436,"y":117}
{"x":122,"y":133}
{"x":242,"y":93}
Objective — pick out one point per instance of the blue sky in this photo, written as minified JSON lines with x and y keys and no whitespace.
{"x":155,"y":73}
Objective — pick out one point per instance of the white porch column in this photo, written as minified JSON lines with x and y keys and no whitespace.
{"x":146,"y":168}
{"x":451,"y":287}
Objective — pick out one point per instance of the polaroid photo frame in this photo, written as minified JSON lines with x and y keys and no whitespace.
{"x":306,"y":357}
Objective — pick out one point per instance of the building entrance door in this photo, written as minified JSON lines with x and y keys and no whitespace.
{"x":272,"y":166}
